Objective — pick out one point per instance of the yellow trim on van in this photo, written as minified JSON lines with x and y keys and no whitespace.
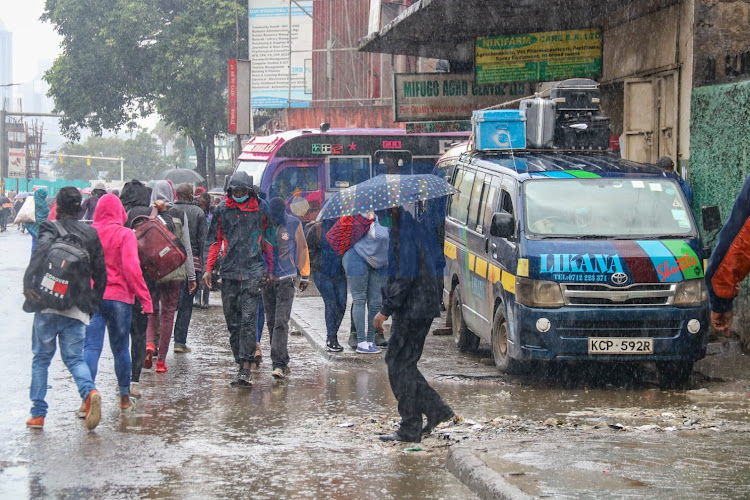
{"x":471,"y":258}
{"x":494,"y":274}
{"x":523,"y":268}
{"x":509,"y":282}
{"x":481,"y":267}
{"x":450,"y":250}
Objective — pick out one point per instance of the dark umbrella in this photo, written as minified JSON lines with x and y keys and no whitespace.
{"x":385,"y":191}
{"x":180,"y":175}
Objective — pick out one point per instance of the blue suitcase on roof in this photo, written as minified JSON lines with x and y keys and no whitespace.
{"x":498,"y":129}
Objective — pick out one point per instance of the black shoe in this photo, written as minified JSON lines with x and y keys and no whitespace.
{"x":332,"y":345}
{"x":380,"y":341}
{"x":398,"y":437}
{"x":244,"y":378}
{"x":353,"y":341}
{"x":431,"y":424}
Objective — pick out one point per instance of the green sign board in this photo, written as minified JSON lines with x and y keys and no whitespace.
{"x":543,"y":56}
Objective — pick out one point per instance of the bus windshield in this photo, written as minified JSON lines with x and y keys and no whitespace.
{"x":606,"y":208}
{"x":253,"y":168}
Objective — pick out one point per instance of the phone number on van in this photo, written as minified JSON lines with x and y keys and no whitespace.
{"x":586,"y":278}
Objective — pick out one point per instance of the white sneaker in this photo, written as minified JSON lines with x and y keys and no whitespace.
{"x":367,"y":348}
{"x":135,"y":389}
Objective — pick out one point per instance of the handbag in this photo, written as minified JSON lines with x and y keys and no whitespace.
{"x":160,"y":251}
{"x":27,"y":214}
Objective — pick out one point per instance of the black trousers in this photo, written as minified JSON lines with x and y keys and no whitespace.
{"x":415,"y":396}
{"x":278,"y":298}
{"x":240,"y":302}
{"x":184,"y":314}
{"x":138,"y":324}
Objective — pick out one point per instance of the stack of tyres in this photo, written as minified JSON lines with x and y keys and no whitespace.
{"x":540,"y":122}
{"x":585,"y":131}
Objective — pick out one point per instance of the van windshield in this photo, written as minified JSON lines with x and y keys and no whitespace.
{"x":253,"y":168}
{"x":606,"y":207}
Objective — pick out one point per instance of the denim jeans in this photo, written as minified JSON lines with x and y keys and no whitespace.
{"x":184,"y":314}
{"x":333,"y":291}
{"x":116,"y":317}
{"x":278,"y":298}
{"x":365,"y":284}
{"x":44,"y":334}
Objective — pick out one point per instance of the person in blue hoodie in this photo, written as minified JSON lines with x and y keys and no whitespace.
{"x":286,"y":256}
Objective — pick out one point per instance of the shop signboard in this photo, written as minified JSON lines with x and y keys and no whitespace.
{"x":272,"y":31}
{"x":447,"y":96}
{"x":438,"y":127}
{"x":542,"y":56}
{"x":16,"y":163}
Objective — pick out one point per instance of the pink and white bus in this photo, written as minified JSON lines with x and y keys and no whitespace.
{"x":305,"y":167}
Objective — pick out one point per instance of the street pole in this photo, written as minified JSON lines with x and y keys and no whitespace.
{"x":122,"y":169}
{"x":3,"y":146}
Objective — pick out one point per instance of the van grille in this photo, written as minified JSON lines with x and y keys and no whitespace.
{"x":642,"y":294}
{"x":634,"y":328}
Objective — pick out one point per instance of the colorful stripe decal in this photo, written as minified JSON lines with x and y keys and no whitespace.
{"x":523,"y":268}
{"x":450,"y":250}
{"x":639,"y":263}
{"x":470,"y":257}
{"x":582,"y":174}
{"x":667,"y":269}
{"x":687,"y":260}
{"x":494,"y":274}
{"x":559,"y":175}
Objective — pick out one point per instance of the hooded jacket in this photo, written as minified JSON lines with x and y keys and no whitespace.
{"x":163,"y":192}
{"x":240,"y":227}
{"x":288,"y":251}
{"x":124,"y":278}
{"x":730,"y":262}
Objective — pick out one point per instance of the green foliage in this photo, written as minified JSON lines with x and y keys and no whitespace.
{"x":142,"y":154}
{"x":123,"y":59}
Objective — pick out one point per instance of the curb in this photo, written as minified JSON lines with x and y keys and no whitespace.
{"x":319,"y":346}
{"x":479,"y":478}
{"x":726,"y":347}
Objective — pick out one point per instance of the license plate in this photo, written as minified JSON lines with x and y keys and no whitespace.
{"x":620,"y":345}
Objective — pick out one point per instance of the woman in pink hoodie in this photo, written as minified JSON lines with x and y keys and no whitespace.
{"x":124,"y":283}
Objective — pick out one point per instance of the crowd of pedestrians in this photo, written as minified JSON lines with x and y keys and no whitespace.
{"x":262,"y":254}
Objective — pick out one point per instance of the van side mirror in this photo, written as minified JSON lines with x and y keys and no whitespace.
{"x":503,"y":225}
{"x":711,"y":217}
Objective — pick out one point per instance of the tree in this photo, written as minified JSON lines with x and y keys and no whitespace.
{"x":124,"y":58}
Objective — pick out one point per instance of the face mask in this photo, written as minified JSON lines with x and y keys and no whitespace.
{"x":240,"y":200}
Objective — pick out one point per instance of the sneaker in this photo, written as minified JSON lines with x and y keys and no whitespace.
{"x":244,"y":377}
{"x":161,"y":366}
{"x":281,"y":372}
{"x":93,"y":409}
{"x":181,"y":349}
{"x":380,"y":340}
{"x":81,"y":413}
{"x":35,"y":423}
{"x":353,"y":341}
{"x":367,"y":348}
{"x":332,"y":345}
{"x":135,"y":389}
{"x":148,"y":360}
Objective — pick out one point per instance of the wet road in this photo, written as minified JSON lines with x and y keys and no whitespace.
{"x":315,"y":434}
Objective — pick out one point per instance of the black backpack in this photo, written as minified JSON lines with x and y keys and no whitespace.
{"x":65,"y":277}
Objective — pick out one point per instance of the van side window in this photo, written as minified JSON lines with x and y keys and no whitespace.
{"x":460,"y":205}
{"x":476,"y":198}
{"x":507,"y":203}
{"x":291,"y":179}
{"x":489,"y":205}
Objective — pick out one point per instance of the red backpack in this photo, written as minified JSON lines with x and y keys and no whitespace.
{"x":160,"y":250}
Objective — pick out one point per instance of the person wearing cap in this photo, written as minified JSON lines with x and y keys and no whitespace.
{"x":87,"y":207}
{"x":67,"y":327}
{"x":237,"y":230}
{"x":286,"y":256}
{"x":198,"y":229}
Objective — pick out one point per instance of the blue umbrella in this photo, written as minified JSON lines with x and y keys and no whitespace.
{"x":385,"y":191}
{"x":24,"y":195}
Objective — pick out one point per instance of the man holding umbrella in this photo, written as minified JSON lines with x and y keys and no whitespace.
{"x":412,"y":291}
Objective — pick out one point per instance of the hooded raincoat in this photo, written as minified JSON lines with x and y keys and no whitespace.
{"x":124,"y":278}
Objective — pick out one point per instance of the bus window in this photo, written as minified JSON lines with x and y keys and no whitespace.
{"x":293,"y":180}
{"x":345,"y":171}
{"x":252,"y":168}
{"x":476,"y":198}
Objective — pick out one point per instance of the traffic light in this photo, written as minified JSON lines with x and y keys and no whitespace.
{"x":88,"y":161}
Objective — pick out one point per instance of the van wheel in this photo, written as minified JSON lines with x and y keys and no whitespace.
{"x":500,"y":353}
{"x":673,"y":374}
{"x":464,"y":338}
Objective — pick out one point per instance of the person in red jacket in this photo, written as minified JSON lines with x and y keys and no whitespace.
{"x":730,"y":262}
{"x":124,"y":283}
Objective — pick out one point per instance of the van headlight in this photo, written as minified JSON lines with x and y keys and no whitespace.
{"x":538,"y":293}
{"x":691,"y":293}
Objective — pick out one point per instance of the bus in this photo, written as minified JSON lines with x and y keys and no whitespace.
{"x":305,"y":167}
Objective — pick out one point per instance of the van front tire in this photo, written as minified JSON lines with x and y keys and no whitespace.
{"x":465,"y":340}
{"x":499,"y":342}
